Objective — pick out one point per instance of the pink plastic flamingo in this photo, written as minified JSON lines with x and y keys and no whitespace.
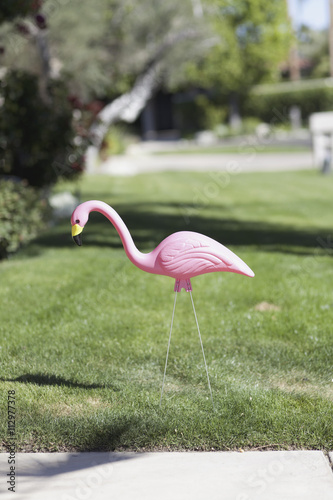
{"x":181,"y":255}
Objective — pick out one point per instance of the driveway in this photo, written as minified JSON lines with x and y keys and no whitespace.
{"x":248,"y":160}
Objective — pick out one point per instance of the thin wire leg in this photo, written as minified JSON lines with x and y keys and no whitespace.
{"x":203,"y":352}
{"x":166,"y":361}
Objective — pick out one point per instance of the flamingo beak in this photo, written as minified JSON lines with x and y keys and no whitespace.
{"x":76,"y":234}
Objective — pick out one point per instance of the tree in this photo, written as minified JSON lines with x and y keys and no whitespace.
{"x":128,"y":106}
{"x":110,"y":43}
{"x":254,"y":37}
{"x":127,"y":52}
{"x":242,"y":43}
{"x":314,"y":49}
{"x":122,"y":50}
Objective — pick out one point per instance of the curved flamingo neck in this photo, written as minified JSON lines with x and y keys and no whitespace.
{"x":138,"y":258}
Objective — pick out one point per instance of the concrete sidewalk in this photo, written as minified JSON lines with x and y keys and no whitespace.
{"x":248,"y":161}
{"x":280,"y":475}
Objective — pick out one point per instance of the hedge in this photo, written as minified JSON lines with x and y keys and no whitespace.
{"x":275,"y":105}
{"x":22,"y":215}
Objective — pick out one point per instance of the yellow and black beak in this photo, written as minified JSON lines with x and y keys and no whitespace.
{"x":76,"y":233}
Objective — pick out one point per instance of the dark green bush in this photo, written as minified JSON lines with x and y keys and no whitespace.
{"x":36,"y":135}
{"x":10,"y":9}
{"x":22,"y":215}
{"x":274,"y":106}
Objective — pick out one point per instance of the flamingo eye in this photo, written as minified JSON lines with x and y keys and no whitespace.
{"x":77,"y":221}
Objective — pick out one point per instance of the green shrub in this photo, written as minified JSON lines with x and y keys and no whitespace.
{"x":22,"y":214}
{"x":36,"y":135}
{"x":249,"y":124}
{"x":275,"y":106}
{"x":211,"y":113}
{"x":114,"y":143}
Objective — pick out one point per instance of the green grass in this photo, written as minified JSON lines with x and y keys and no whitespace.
{"x":84,"y":332}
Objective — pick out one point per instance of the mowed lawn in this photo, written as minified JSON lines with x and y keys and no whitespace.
{"x":84,"y":332}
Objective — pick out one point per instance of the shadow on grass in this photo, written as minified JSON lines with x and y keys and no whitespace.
{"x":42,"y":379}
{"x":149,"y":224}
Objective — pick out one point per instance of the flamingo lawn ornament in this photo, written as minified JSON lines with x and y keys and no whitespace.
{"x":181,"y":256}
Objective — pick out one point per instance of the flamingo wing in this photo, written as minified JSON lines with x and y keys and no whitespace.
{"x":191,"y":256}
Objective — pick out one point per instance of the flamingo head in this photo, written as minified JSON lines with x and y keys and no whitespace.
{"x":78,"y":221}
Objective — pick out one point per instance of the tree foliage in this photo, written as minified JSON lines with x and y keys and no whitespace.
{"x":122,"y":50}
{"x":254,"y":37}
{"x":313,"y":48}
{"x":103,"y":46}
{"x":110,"y":43}
{"x":10,"y":10}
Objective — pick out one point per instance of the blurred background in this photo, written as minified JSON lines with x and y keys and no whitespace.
{"x":84,"y":82}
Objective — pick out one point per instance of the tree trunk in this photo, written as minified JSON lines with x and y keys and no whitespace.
{"x":235,"y":120}
{"x":43,"y":49}
{"x":128,"y":106}
{"x":331,"y":37}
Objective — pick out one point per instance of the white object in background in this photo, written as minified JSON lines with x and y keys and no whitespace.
{"x":321,"y":128}
{"x":63,"y":204}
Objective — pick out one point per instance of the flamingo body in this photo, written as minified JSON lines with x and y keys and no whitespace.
{"x":182,"y":255}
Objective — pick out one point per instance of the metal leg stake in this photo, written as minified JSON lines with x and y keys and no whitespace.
{"x":203,"y":352}
{"x":166,"y":361}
